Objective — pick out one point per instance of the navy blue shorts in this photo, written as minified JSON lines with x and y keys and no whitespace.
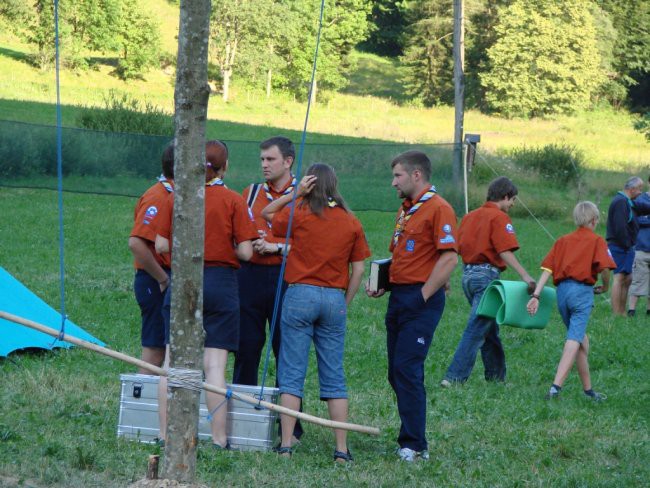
{"x":624,"y":258}
{"x":150,"y":300}
{"x":220,"y":308}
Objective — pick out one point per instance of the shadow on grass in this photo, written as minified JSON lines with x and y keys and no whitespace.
{"x":17,"y":55}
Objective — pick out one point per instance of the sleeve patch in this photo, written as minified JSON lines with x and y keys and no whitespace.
{"x":510,"y":229}
{"x":150,"y":214}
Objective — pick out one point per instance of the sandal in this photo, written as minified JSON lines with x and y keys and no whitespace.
{"x":283,"y":451}
{"x":343,"y":457}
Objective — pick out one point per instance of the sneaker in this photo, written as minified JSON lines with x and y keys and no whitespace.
{"x":445,"y":384}
{"x":219,"y":447}
{"x":409,"y":455}
{"x":596,"y":396}
{"x":631,"y":313}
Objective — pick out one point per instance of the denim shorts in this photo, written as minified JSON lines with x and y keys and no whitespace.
{"x":575,"y":300}
{"x":624,"y":258}
{"x":312,"y":313}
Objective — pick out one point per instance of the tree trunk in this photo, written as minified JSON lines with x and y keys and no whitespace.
{"x":227,"y":73}
{"x":269,"y":74}
{"x":186,"y":338}
{"x":313,"y":91}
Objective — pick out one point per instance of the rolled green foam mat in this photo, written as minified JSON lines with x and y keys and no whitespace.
{"x":505,"y":301}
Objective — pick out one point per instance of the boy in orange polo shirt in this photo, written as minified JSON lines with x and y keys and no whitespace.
{"x":424,"y":251}
{"x":152,"y":269}
{"x":575,"y":260}
{"x":487,"y":244}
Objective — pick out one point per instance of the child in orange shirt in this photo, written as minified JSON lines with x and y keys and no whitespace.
{"x":575,"y":261}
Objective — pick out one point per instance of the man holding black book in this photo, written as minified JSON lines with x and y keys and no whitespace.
{"x":487,"y":243}
{"x":424,"y":254}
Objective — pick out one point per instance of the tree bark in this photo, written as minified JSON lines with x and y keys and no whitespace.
{"x":186,"y":337}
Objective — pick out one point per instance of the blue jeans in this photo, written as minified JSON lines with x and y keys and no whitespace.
{"x":575,"y":301}
{"x":313,"y":313}
{"x":410,"y":324}
{"x":480,"y":332}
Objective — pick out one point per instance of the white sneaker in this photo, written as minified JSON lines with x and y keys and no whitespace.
{"x":406,"y":454}
{"x":445,"y":384}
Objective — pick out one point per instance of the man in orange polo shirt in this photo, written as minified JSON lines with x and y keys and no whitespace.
{"x":152,"y":269}
{"x":424,"y":251}
{"x":487,"y":242}
{"x":258,"y":279}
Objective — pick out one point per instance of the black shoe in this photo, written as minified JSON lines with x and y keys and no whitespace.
{"x":219,"y":447}
{"x":631,"y":313}
{"x":283,"y":451}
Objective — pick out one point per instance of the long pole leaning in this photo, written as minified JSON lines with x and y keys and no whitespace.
{"x":163,"y":372}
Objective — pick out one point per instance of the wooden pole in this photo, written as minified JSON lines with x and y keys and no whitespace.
{"x":163,"y":372}
{"x":459,"y":89}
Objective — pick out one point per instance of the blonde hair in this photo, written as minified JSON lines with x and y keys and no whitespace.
{"x":585,"y":212}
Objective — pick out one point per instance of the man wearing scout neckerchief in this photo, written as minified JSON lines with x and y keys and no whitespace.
{"x":424,"y":247}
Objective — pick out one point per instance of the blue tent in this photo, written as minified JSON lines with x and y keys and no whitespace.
{"x":18,"y":300}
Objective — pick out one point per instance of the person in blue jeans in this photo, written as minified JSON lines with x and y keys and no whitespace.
{"x":487,"y":242}
{"x":324,"y":271}
{"x":575,"y":261}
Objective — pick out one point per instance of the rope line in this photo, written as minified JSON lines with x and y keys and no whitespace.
{"x":190,"y":379}
{"x":227,"y":397}
{"x":523,"y":204}
{"x":301,"y":150}
{"x":59,"y":167}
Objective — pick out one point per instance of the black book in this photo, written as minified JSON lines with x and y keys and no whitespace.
{"x":379,"y":276}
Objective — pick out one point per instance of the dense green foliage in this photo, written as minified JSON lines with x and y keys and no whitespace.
{"x":85,"y":27}
{"x":387,"y":27}
{"x":124,"y":113}
{"x":643,"y":125}
{"x":559,"y":164}
{"x":545,"y":59}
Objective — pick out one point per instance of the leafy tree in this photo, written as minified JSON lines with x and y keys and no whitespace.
{"x":138,"y":39}
{"x":345,"y":24}
{"x":387,"y":28}
{"x":545,"y":59}
{"x":428,"y":56}
{"x":631,"y":57}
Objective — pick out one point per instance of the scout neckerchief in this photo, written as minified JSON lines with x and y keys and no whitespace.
{"x":331,"y":203}
{"x":216,"y":181}
{"x":267,"y":189}
{"x":630,"y":216}
{"x":165,"y":182}
{"x":405,"y":216}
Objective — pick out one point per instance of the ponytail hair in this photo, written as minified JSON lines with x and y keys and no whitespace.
{"x":324,"y":190}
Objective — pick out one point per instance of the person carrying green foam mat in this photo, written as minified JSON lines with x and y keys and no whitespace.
{"x":487,"y":243}
{"x":505,"y":302}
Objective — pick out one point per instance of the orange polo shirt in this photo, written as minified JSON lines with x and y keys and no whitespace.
{"x":429,"y":232}
{"x":323,"y":246}
{"x":579,"y":256}
{"x":227,"y":223}
{"x":145,"y":215}
{"x":261,"y":201}
{"x":484,"y":233}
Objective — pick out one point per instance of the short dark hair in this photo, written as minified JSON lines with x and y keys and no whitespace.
{"x":284,"y":144}
{"x":412,"y":160}
{"x":501,"y":188}
{"x":168,"y":161}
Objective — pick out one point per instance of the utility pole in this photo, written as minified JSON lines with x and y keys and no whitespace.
{"x":186,"y":336}
{"x":459,"y":89}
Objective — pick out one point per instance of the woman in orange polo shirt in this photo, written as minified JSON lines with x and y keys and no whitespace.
{"x":324,"y":270}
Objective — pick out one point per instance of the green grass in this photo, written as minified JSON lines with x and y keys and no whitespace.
{"x":58,"y":411}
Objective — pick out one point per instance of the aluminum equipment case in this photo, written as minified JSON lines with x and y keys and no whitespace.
{"x":249,"y":429}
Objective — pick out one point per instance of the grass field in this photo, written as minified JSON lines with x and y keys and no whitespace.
{"x":58,"y":411}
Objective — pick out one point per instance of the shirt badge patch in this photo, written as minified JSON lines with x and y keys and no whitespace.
{"x":421,"y":340}
{"x":150,"y":214}
{"x":448,"y":239}
{"x":446,"y":229}
{"x":510,"y":229}
{"x":410,"y":245}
